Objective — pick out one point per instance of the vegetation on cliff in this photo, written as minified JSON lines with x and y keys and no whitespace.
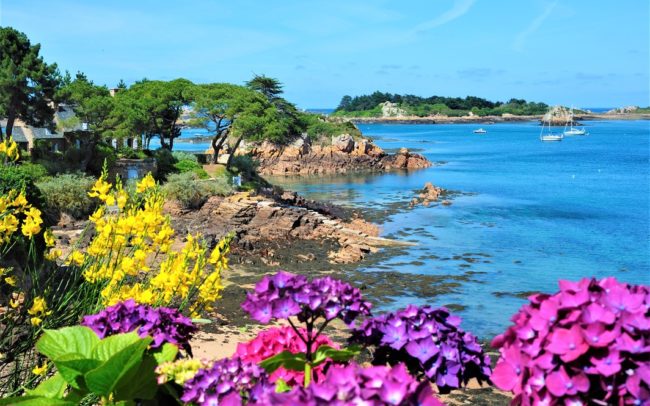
{"x":410,"y":105}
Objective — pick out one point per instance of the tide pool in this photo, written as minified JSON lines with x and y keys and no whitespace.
{"x":525,"y":214}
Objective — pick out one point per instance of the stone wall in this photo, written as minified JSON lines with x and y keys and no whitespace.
{"x":134,"y":168}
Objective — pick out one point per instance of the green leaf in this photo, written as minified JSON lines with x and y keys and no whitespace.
{"x":120,"y":367}
{"x":78,"y":339}
{"x":143,"y":384}
{"x":73,"y":367}
{"x":35,"y":401}
{"x":286,"y":359}
{"x":281,"y":386}
{"x":325,"y":351}
{"x":166,"y":353}
{"x":53,"y":387}
{"x":110,"y":346}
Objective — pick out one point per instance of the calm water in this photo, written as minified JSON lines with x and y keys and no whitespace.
{"x":537,"y":212}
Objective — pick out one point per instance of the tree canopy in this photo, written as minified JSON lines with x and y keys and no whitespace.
{"x":27,"y":84}
{"x":152,"y":108}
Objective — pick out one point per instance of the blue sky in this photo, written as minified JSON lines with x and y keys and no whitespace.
{"x":585,"y":53}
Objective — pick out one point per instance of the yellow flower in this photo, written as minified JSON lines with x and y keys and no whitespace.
{"x":36,"y":321}
{"x":17,"y":299}
{"x":122,"y":198}
{"x":146,"y":183}
{"x":38,"y":310}
{"x":53,"y":254}
{"x":20,"y":201}
{"x":32,"y":224}
{"x":49,"y":238}
{"x":42,"y":370}
{"x":10,"y":280}
{"x":75,"y":258}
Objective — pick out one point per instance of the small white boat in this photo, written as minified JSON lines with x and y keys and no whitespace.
{"x":549,"y":136}
{"x":573,"y":131}
{"x":479,"y":131}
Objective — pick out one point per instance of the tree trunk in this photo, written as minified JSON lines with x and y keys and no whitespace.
{"x":232,"y":153}
{"x":217,"y":143}
{"x":9,"y":129}
{"x":90,"y":153}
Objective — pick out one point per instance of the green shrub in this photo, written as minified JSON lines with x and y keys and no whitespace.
{"x":184,"y":156}
{"x":35,"y":171}
{"x":191,"y":191}
{"x":68,"y":194}
{"x":103,"y":152}
{"x":191,"y":166}
{"x":245,"y":166}
{"x":15,"y":177}
{"x":130,"y":153}
{"x":165,"y":161}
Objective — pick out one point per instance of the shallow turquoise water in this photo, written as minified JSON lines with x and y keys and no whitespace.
{"x":541,"y":211}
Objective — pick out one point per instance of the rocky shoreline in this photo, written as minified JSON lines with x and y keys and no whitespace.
{"x":342,"y":155}
{"x":506,"y":118}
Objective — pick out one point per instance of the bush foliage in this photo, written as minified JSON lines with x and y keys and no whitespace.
{"x":191,"y":191}
{"x":68,"y":193}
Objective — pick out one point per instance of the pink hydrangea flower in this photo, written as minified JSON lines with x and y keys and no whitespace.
{"x":589,"y":342}
{"x":273,"y":341}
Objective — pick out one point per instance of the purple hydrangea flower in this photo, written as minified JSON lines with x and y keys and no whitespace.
{"x":355,"y":385}
{"x":429,"y":341}
{"x":284,"y":295}
{"x":588,"y":343}
{"x":163,"y":324}
{"x":227,"y":382}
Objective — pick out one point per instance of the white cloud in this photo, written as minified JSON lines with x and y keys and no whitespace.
{"x":458,"y":10}
{"x":520,"y":39}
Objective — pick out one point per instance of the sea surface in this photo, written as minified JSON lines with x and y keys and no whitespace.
{"x":525,"y":213}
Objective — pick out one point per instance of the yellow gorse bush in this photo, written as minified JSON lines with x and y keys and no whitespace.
{"x":13,"y":207}
{"x":131,"y":253}
{"x":9,"y":150}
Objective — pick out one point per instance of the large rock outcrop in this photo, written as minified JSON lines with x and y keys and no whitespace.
{"x":343,"y":154}
{"x":281,"y":219}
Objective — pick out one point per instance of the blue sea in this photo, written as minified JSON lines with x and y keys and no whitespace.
{"x":529,"y":213}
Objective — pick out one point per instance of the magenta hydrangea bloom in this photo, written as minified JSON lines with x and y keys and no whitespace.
{"x":230,"y":381}
{"x":355,"y":385}
{"x":429,"y":341}
{"x":589,"y":342}
{"x":275,"y":340}
{"x":283,"y":295}
{"x":163,"y":324}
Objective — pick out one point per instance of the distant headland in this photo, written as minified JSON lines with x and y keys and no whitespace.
{"x":394,"y":108}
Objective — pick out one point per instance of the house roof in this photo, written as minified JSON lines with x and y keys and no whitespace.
{"x":45,"y":134}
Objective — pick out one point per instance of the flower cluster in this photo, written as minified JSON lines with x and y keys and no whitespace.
{"x":130,"y":239}
{"x":430,"y":341}
{"x":13,"y":207}
{"x":275,"y":340}
{"x":38,"y":311}
{"x":284,"y":295}
{"x":354,"y":385}
{"x":181,"y":370}
{"x":164,"y":325}
{"x":9,"y":150}
{"x":228,"y":382}
{"x":588,"y":342}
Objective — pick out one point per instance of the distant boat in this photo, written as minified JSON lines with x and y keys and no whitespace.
{"x":479,"y":131}
{"x":573,"y":131}
{"x":549,"y":136}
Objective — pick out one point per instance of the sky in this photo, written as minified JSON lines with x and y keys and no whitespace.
{"x":584,"y":53}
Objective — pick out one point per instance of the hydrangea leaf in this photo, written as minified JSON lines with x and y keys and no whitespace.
{"x":166,"y":353}
{"x":120,"y":367}
{"x":35,"y":401}
{"x":55,"y":343}
{"x":110,"y":346}
{"x":325,"y":351}
{"x":142,"y":385}
{"x":73,"y":367}
{"x":286,"y":359}
{"x":54,"y":387}
{"x":281,"y":386}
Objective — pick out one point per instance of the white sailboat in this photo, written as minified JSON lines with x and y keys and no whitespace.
{"x":573,"y":131}
{"x":549,"y":136}
{"x":479,"y":131}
